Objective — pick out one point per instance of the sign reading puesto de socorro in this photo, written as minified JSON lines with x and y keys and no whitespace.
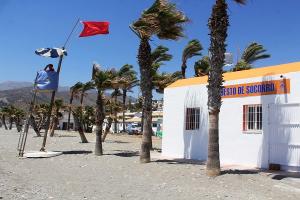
{"x":257,"y":89}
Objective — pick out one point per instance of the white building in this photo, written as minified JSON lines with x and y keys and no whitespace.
{"x":259,"y":118}
{"x":63,"y":121}
{"x":136,"y":118}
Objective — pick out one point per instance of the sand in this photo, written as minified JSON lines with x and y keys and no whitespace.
{"x":79,"y":174}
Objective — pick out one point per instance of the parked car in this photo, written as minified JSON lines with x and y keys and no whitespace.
{"x":133,"y":129}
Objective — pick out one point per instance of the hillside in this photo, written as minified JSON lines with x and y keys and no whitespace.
{"x":21,"y":97}
{"x":10,"y":85}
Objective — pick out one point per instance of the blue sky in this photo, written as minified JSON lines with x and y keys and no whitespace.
{"x":29,"y":24}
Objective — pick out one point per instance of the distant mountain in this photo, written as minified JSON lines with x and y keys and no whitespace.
{"x":21,"y":97}
{"x":10,"y":85}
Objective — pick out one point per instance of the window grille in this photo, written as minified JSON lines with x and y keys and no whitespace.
{"x":252,"y":117}
{"x":192,"y":119}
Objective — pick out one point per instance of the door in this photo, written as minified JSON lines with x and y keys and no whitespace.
{"x":284,"y":134}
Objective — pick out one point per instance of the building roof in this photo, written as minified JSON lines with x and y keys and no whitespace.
{"x":251,"y":73}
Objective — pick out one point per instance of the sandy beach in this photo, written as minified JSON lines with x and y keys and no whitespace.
{"x":79,"y":174}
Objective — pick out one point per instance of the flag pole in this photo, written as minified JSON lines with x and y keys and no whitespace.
{"x":54,"y":92}
{"x":73,"y":29}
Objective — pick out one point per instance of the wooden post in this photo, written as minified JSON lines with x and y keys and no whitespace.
{"x":51,"y":106}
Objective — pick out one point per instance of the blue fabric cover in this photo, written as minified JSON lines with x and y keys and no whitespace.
{"x":46,"y":80}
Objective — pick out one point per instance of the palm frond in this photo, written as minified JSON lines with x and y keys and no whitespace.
{"x":253,"y":52}
{"x":163,"y":80}
{"x":243,"y":2}
{"x":192,"y":49}
{"x":159,"y":55}
{"x":76,"y":87}
{"x":202,"y":66}
{"x":241,"y":65}
{"x":161,"y":19}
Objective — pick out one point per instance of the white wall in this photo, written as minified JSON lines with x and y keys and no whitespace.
{"x":65,"y":119}
{"x":177,"y":142}
{"x":236,"y":147}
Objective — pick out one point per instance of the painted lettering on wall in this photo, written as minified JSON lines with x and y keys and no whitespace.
{"x":257,"y":89}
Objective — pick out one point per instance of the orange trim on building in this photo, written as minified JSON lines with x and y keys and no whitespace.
{"x":251,"y":73}
{"x":257,"y":89}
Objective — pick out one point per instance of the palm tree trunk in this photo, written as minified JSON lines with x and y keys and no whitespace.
{"x":213,"y":161}
{"x":183,"y":69}
{"x":107,"y":128}
{"x":100,"y":115}
{"x":53,"y":127}
{"x":70,"y":110}
{"x":34,"y":126}
{"x":124,"y":107}
{"x":40,"y":123}
{"x":83,"y":125}
{"x":218,"y":24}
{"x":80,"y":129}
{"x":10,"y":123}
{"x":18,"y":125}
{"x":115,"y":112}
{"x":144,"y":59}
{"x":142,"y":120}
{"x":81,"y":99}
{"x":3,"y":122}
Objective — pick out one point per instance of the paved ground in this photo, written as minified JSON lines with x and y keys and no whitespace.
{"x":78,"y":174}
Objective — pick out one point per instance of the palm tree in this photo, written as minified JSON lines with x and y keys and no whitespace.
{"x":192,"y":49}
{"x":41,"y":111}
{"x":127,"y":81}
{"x":253,"y":52}
{"x":74,"y":91}
{"x":19,"y":117}
{"x":102,"y":81}
{"x":109,"y":105}
{"x":78,"y":119}
{"x":165,"y":21}
{"x":11,"y":114}
{"x":83,"y":92}
{"x":85,"y":87}
{"x":58,"y":105}
{"x":114,"y":95}
{"x":8,"y":111}
{"x":3,"y":117}
{"x":88,"y":118}
{"x":163,"y":80}
{"x":159,"y":55}
{"x":202,"y":66}
{"x":218,"y":25}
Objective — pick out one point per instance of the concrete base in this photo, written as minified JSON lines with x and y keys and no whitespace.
{"x":41,"y":154}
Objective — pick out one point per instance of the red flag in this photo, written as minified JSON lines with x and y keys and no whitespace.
{"x":94,"y":28}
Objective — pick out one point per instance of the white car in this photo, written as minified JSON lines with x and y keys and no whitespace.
{"x":133,"y":129}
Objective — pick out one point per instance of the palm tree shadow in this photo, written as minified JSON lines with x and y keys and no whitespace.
{"x":116,"y":141}
{"x":239,"y":172}
{"x":181,"y":162}
{"x":126,"y":154}
{"x":279,"y":175}
{"x":76,"y":152}
{"x":67,"y":136}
